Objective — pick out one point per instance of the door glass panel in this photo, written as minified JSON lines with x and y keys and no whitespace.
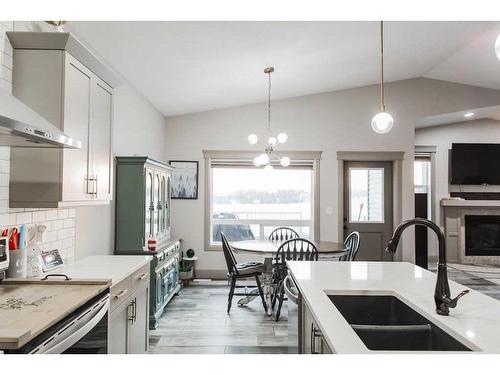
{"x":149,"y":202}
{"x":366,"y":195}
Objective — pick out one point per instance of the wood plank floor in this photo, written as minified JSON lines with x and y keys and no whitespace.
{"x":196,"y":322}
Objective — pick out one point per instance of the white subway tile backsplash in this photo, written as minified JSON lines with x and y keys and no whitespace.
{"x":5,"y":154}
{"x":50,"y":236}
{"x":39,"y":216}
{"x":4,"y":193}
{"x":62,"y":214}
{"x":4,"y":166}
{"x":24,"y":217}
{"x":6,"y":60}
{"x":5,"y":73}
{"x":57,"y":224}
{"x":69,"y":223}
{"x":62,"y":234}
{"x":7,"y":220}
{"x":4,"y":179}
{"x":52,"y":215}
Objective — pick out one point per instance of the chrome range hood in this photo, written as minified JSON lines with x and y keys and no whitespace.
{"x":20,"y":126}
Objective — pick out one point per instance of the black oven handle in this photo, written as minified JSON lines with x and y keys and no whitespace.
{"x":75,"y":330}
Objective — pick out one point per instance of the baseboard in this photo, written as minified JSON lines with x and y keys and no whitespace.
{"x":211,"y":274}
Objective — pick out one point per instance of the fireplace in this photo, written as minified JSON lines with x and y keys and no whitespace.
{"x":482,"y":235}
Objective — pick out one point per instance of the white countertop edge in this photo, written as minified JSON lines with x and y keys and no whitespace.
{"x":342,"y":339}
{"x":113,"y":267}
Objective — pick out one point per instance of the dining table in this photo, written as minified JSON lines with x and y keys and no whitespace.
{"x":267,"y":249}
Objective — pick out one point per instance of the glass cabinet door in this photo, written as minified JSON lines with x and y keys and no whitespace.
{"x":167,"y":207}
{"x":148,"y":232}
{"x":157,"y":205}
{"x":163,"y":205}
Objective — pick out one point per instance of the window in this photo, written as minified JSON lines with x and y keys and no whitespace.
{"x":248,"y":203}
{"x":366,"y":195}
{"x":422,"y":181}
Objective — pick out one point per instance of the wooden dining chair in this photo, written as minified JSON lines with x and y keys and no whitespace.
{"x":351,"y":244}
{"x":237,"y":271}
{"x":283,"y":234}
{"x":294,"y":249}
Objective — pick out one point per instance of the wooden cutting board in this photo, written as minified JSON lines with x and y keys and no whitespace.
{"x":28,"y":308}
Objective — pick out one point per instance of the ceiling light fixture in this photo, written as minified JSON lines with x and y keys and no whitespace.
{"x":382,"y":122}
{"x":469,"y":114}
{"x":265,"y":158}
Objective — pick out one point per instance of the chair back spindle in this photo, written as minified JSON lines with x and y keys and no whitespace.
{"x":229,"y":256}
{"x":282,"y":234}
{"x":351,"y":243}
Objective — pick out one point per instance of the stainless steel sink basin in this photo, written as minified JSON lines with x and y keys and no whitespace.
{"x":387,"y":323}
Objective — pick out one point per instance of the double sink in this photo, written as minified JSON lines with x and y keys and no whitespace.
{"x":384,"y":322}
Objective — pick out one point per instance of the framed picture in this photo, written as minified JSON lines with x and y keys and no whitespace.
{"x":184,"y":179}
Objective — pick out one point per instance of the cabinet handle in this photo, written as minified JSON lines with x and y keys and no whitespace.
{"x":143,"y":276}
{"x":95,"y":184}
{"x":315,"y":333}
{"x":135,"y":310}
{"x":131,"y":318}
{"x":121,"y":294}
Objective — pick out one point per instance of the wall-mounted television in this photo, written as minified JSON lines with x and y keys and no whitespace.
{"x":475,"y":164}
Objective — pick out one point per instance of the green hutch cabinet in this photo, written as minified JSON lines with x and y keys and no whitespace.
{"x":143,"y":213}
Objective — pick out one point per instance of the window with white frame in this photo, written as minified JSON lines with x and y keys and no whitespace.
{"x":247,"y":203}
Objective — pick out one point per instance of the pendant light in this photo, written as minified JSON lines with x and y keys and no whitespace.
{"x":382,"y":122}
{"x":264,"y":159}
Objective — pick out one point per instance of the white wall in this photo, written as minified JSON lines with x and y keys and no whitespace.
{"x":478,"y":131}
{"x":330,"y":122}
{"x":139,"y":129}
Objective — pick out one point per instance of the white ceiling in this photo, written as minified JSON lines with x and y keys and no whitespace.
{"x":184,"y":67}
{"x":473,"y":114}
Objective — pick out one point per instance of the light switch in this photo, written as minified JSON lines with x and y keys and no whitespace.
{"x":329,"y":210}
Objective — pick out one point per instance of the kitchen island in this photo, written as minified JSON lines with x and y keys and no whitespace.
{"x":324,"y":326}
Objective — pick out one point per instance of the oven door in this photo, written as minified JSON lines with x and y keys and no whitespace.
{"x":87,"y":333}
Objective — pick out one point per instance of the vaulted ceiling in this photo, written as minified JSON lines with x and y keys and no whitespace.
{"x":184,"y":67}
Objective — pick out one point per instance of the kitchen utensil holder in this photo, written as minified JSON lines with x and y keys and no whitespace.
{"x":18,"y":263}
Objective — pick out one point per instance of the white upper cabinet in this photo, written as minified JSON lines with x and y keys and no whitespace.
{"x":70,"y":95}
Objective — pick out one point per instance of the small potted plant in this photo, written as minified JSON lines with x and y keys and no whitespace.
{"x":185,"y":272}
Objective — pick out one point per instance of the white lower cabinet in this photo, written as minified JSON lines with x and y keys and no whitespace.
{"x":311,"y":340}
{"x":129,"y":320}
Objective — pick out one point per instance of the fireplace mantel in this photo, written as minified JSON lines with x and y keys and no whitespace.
{"x":469,"y":203}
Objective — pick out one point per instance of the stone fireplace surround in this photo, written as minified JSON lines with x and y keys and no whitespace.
{"x":453,"y":214}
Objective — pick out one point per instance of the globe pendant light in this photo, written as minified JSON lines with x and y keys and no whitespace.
{"x":272,"y":141}
{"x":497,"y":47}
{"x":382,"y":122}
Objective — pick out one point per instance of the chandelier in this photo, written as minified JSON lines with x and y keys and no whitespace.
{"x":265,"y":159}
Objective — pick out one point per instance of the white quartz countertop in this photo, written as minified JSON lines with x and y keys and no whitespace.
{"x":475,"y":321}
{"x":112,"y":267}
